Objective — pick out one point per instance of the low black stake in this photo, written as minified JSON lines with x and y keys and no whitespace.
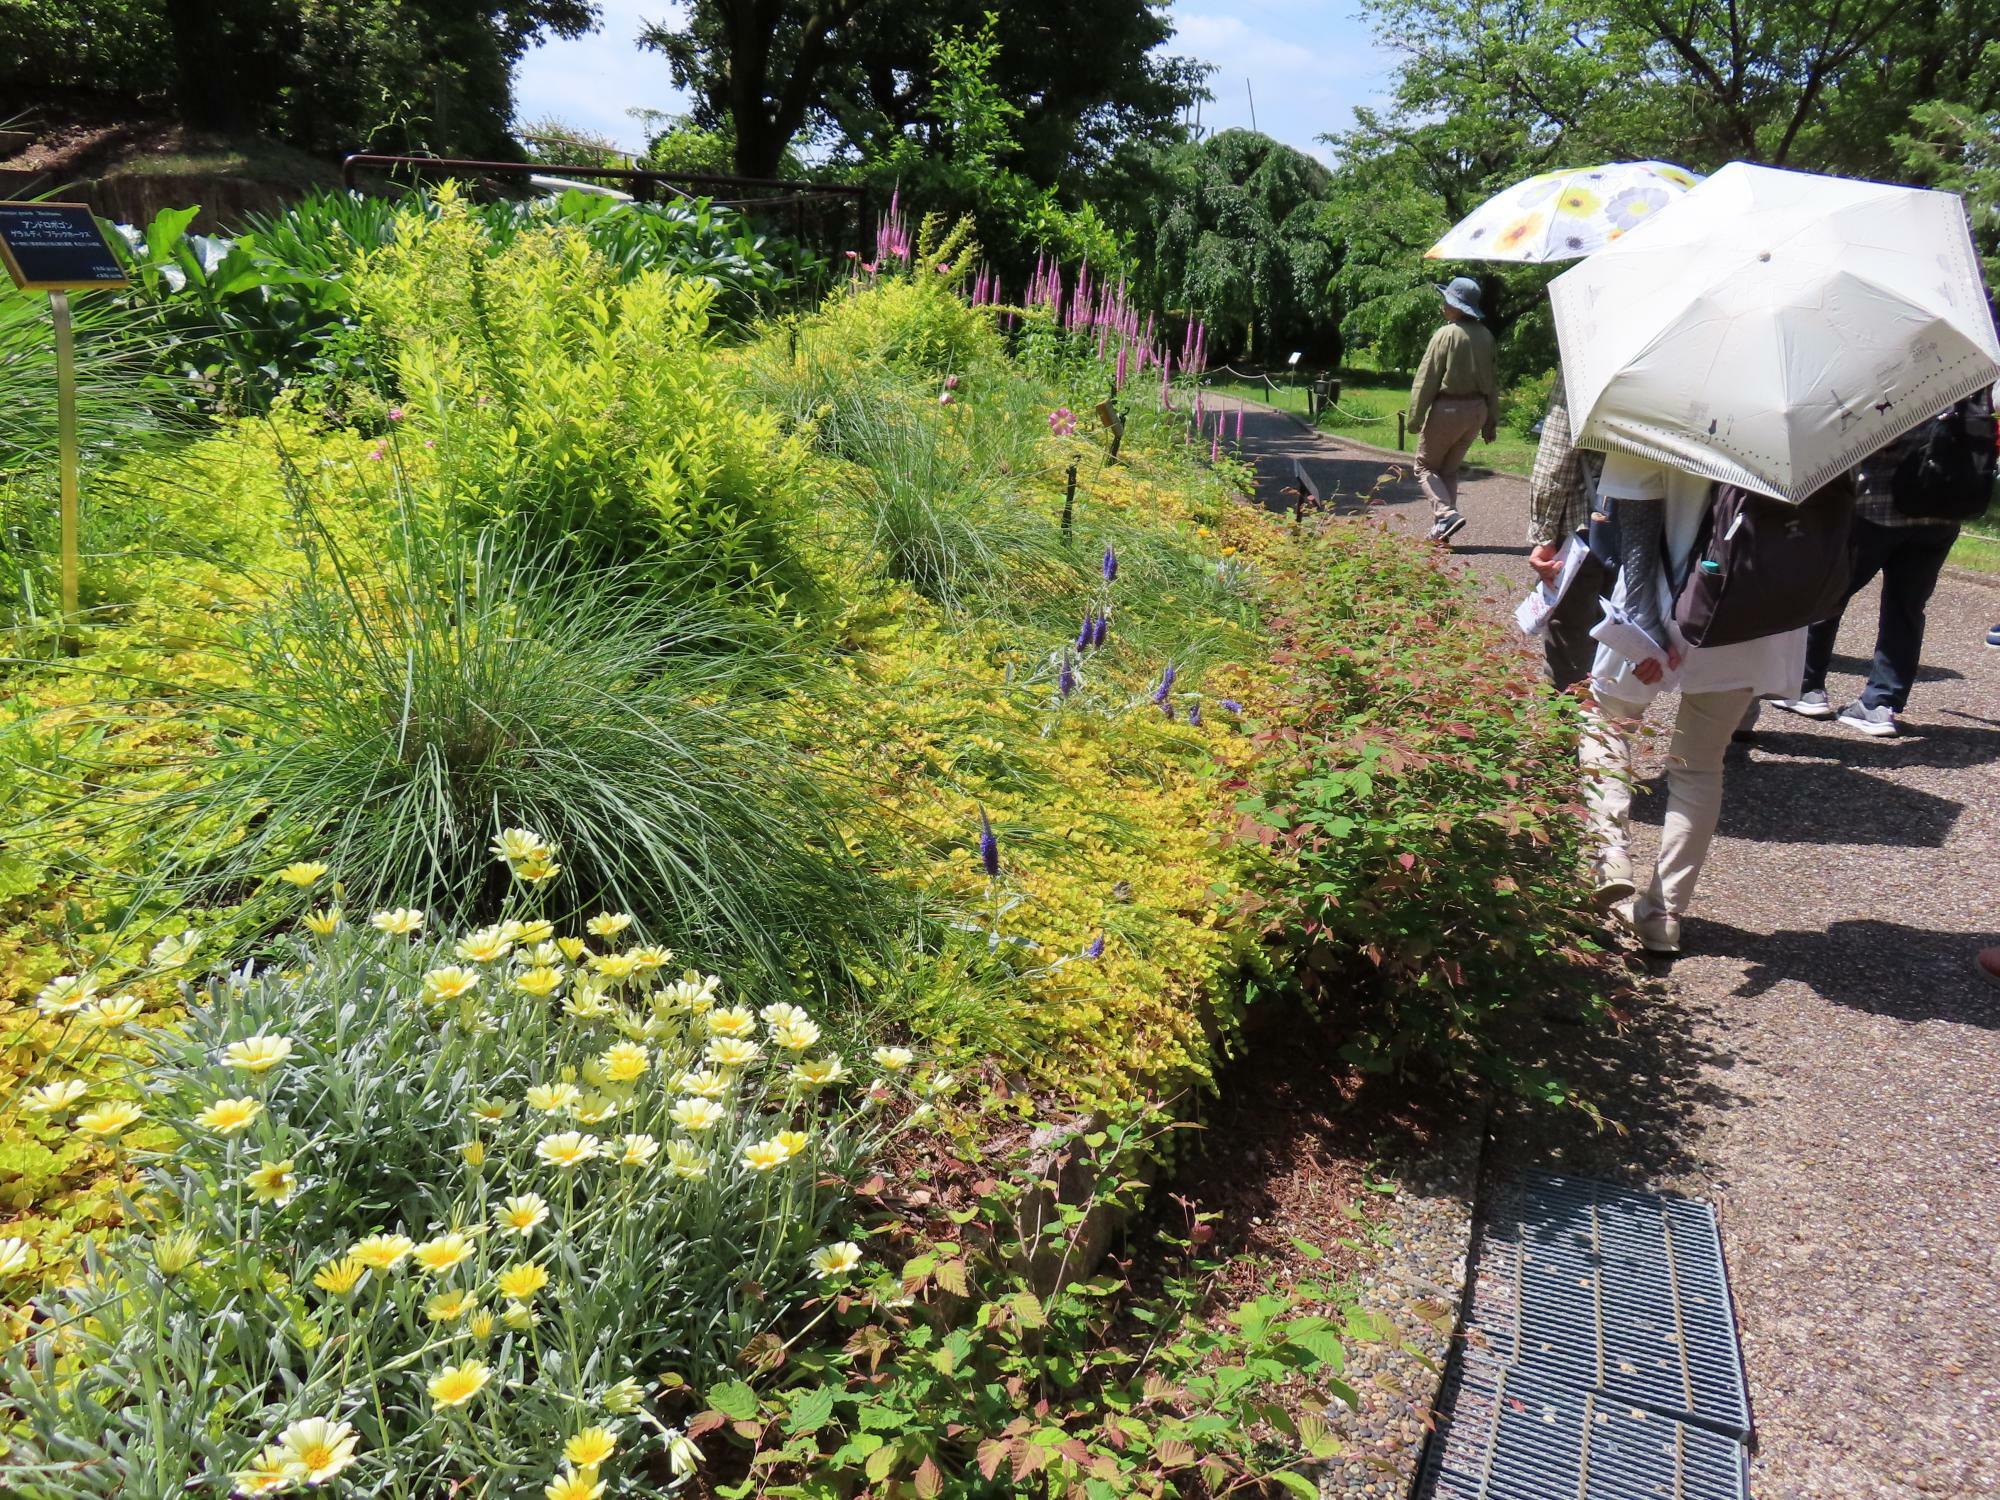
{"x":1069,"y":500}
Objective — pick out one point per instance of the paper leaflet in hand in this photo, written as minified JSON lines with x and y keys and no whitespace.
{"x":1534,"y":611}
{"x":1617,"y":631}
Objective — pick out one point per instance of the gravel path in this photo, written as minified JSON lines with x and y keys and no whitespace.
{"x":1822,"y":1062}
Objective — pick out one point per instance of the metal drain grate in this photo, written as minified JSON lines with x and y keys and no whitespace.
{"x":1600,"y":1355}
{"x":1516,"y":1436}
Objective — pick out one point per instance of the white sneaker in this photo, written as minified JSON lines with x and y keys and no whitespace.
{"x":1447,"y":526}
{"x":1812,"y":705}
{"x":1657,"y":931}
{"x":1879,"y":721}
{"x":1611,"y":879}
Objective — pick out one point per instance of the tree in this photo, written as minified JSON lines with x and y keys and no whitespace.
{"x":859,"y":75}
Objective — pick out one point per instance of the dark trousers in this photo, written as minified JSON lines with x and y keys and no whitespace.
{"x":1567,"y":644}
{"x":1909,"y":558}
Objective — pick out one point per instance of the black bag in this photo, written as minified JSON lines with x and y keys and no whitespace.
{"x":1944,"y":468}
{"x":1762,"y":567}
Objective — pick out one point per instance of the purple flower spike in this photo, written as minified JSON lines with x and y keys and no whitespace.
{"x":1066,"y":678}
{"x":1087,"y":637}
{"x":1096,"y":948}
{"x":1166,"y":684}
{"x":1232,"y":705}
{"x":1168,"y":710}
{"x":989,"y":848}
{"x":1110,"y":564}
{"x":1194,"y":715}
{"x":1103,"y":629}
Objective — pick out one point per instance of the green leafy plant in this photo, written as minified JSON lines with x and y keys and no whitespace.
{"x":994,"y":1361}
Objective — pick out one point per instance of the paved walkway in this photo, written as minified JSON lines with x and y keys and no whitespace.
{"x":1821,"y":1063}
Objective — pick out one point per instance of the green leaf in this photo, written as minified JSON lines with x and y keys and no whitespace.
{"x":734,"y":1400}
{"x":1297,"y":1484}
{"x":811,"y":1410}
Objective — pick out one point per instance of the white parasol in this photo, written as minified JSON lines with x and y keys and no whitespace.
{"x":1564,"y":215}
{"x":1772,"y":328}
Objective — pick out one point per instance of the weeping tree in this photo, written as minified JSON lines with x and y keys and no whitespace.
{"x":1240,"y":238}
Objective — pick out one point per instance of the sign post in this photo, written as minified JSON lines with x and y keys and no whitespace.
{"x":58,"y":248}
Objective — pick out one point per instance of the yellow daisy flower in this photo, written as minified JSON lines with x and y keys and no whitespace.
{"x":796,"y":1037}
{"x":266,"y":1476}
{"x":50,"y":1097}
{"x":608,"y":924}
{"x":173,"y":952}
{"x":398,"y":921}
{"x":450,"y":983}
{"x":176,"y":1252}
{"x":696,"y":1115}
{"x":535,"y":933}
{"x":443,"y":1254}
{"x":520,"y":1317}
{"x":595,"y":1110}
{"x":488,"y":945}
{"x":522,"y":1215}
{"x":762,"y":1156}
{"x":573,"y":948}
{"x":228,"y":1116}
{"x":520,"y":1283}
{"x":472,"y":1153}
{"x":449,"y":1307}
{"x":553,"y":1098}
{"x":566,"y":1150}
{"x":733,"y":1020}
{"x":782,"y":1014}
{"x":115,"y":1011}
{"x":455,"y":1385}
{"x":622,"y":1399}
{"x":794,"y":1141}
{"x":639,"y":1149}
{"x":683,"y":1160}
{"x":893,"y":1059}
{"x":493,"y":1111}
{"x":590,"y":1447}
{"x":317,"y":1449}
{"x":257,"y":1054}
{"x":732,"y":1052}
{"x":837,"y":1259}
{"x":324,"y":923}
{"x":818,"y":1072}
{"x":339,"y":1277}
{"x":540,"y":981}
{"x":574,"y":1484}
{"x":651,"y":958}
{"x":16,"y":1255}
{"x":109,"y":1119}
{"x":703,"y":1083}
{"x":481,"y":1325}
{"x":615,"y":966}
{"x":64,"y":994}
{"x":383,"y":1252}
{"x":624,"y":1061}
{"x":302,"y":873}
{"x":273,"y":1182}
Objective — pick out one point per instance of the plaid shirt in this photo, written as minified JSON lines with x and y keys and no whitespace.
{"x":1561,"y":485}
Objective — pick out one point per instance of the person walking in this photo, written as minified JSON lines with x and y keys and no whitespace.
{"x":1899,"y":533}
{"x":1658,"y":512}
{"x":1560,"y":491}
{"x":1455,"y":397}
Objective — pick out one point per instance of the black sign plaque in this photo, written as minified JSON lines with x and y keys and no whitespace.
{"x":56,"y":247}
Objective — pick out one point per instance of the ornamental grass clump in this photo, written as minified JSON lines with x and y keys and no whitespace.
{"x":419,"y":1236}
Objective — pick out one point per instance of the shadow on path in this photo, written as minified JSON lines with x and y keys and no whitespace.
{"x":1885,"y":968}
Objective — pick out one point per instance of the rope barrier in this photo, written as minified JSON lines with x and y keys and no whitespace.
{"x":1353,"y":418}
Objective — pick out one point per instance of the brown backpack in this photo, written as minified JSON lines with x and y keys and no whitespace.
{"x":1762,"y":567}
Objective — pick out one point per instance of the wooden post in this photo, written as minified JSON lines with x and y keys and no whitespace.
{"x":1069,"y":501}
{"x":1399,"y":429}
{"x":66,"y":460}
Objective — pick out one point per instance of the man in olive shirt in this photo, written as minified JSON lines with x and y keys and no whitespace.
{"x":1456,"y":394}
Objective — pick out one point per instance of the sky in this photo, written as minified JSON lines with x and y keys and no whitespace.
{"x":1301,"y":64}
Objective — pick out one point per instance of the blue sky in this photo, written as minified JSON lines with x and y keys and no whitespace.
{"x":1306,"y":63}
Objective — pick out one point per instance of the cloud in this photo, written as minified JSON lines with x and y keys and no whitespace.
{"x":593,"y":80}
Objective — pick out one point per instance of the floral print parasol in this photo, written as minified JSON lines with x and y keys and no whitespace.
{"x":1564,"y":215}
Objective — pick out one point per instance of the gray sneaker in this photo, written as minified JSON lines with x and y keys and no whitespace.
{"x":1812,"y":705}
{"x":1879,"y":721}
{"x":1447,"y":526}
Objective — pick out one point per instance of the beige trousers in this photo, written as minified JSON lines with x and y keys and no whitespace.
{"x":1694,"y":787}
{"x":1449,"y":428}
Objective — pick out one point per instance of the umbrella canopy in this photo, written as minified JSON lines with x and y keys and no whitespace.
{"x":1772,"y":328}
{"x":1563,"y":215}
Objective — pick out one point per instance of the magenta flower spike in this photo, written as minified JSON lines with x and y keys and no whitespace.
{"x":1124,"y":364}
{"x":1215,"y":450}
{"x":1239,"y":426}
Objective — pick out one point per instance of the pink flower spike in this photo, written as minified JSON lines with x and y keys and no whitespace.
{"x":951,"y":382}
{"x":375,"y":454}
{"x":395,"y":414}
{"x":944,"y":398}
{"x":430,"y":442}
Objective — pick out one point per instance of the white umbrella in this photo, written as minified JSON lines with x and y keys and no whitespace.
{"x":1771,"y":328}
{"x":1564,"y":215}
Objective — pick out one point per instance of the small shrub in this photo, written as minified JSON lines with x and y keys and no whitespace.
{"x":1527,"y":402}
{"x":578,"y":1219}
{"x":1417,"y":800}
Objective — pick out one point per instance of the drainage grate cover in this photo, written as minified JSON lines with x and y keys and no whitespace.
{"x":1516,"y":1436}
{"x":1600,"y":1355}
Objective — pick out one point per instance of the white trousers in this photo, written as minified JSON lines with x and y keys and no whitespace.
{"x":1694,"y":787}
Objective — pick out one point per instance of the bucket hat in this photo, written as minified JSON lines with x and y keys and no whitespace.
{"x":1463,"y":293}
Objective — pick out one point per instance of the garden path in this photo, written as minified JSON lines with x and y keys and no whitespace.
{"x":1822,"y":1063}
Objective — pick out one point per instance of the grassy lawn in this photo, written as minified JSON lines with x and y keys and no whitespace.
{"x":1369,"y":401}
{"x":1978,"y":549}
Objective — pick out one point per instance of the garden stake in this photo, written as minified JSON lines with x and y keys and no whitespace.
{"x":1069,"y":495}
